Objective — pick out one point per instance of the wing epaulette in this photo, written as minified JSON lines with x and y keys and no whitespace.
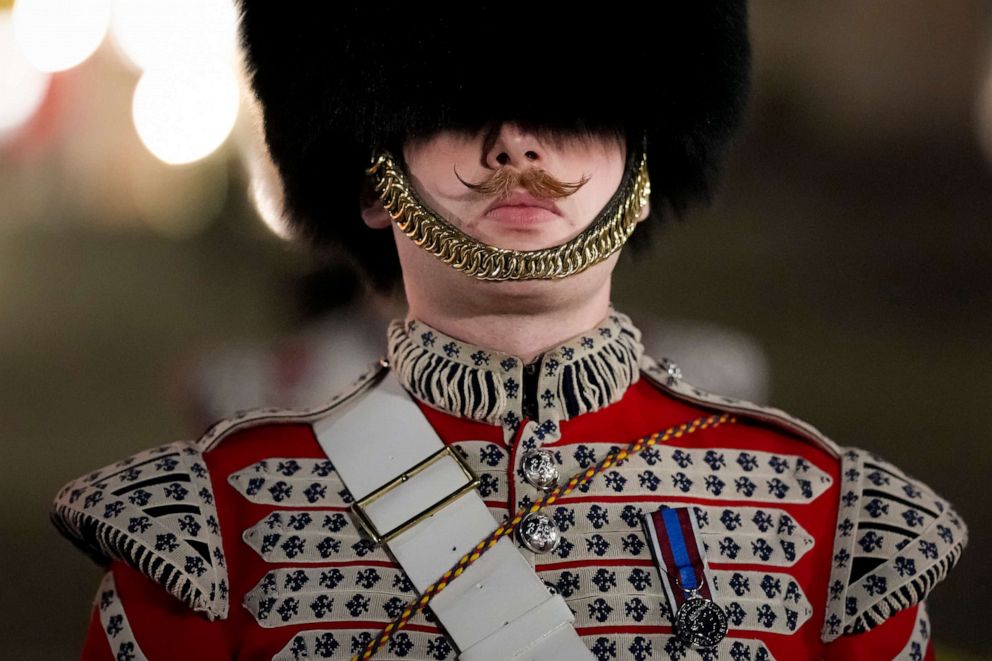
{"x":155,"y":510}
{"x":668,"y":377}
{"x":895,"y":540}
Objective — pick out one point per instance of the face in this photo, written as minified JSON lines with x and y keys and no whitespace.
{"x":509,"y":188}
{"x":579,"y":177}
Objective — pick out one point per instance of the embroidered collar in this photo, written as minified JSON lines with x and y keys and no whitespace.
{"x":583,"y":374}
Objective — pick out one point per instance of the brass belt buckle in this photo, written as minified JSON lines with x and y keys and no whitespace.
{"x":358,"y":507}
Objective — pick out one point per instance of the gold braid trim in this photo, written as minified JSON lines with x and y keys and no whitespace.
{"x":484,"y":262}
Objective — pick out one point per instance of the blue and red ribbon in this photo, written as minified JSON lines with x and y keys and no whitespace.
{"x":678,"y":552}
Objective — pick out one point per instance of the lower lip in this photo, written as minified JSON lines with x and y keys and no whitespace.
{"x":521,"y":215}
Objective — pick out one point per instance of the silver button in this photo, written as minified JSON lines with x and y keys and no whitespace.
{"x":539,"y":469}
{"x":539,"y":533}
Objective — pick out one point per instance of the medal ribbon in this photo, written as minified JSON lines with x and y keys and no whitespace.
{"x":676,"y":543}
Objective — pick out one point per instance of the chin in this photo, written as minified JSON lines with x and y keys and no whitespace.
{"x":524,"y":288}
{"x":540,"y":295}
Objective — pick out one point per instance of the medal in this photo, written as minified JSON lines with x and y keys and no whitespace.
{"x":698,"y":621}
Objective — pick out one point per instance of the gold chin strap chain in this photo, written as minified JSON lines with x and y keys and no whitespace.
{"x":484,"y":262}
{"x":615,"y":457}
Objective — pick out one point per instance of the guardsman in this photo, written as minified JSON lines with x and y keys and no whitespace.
{"x":515,"y":479}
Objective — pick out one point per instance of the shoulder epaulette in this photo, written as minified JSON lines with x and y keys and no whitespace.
{"x":155,"y":510}
{"x":668,"y":377}
{"x":895,"y":540}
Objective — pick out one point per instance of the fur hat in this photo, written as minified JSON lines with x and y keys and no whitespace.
{"x":336,"y":81}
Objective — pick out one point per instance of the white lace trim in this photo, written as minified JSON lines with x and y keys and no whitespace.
{"x":586,"y":373}
{"x":113,"y":619}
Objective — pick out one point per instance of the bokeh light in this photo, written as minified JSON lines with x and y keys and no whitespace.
{"x":183,"y":114}
{"x":154,"y":33}
{"x":22,"y":86}
{"x":55,"y":35}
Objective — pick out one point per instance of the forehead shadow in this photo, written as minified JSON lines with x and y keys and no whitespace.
{"x":557,"y":135}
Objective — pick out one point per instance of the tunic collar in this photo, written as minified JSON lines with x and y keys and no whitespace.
{"x":583,"y":374}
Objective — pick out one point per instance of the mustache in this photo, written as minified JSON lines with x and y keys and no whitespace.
{"x":537,"y":181}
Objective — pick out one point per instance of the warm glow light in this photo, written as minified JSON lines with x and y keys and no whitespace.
{"x":59,"y":34}
{"x":267,"y":197}
{"x":153,"y":33}
{"x":22,"y":86}
{"x":183,"y":114}
{"x":265,"y":185}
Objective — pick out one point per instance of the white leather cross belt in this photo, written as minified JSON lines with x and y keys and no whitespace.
{"x":498,"y":608}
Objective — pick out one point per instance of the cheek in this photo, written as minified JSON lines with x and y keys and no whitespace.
{"x":432,"y":164}
{"x":604,"y":182}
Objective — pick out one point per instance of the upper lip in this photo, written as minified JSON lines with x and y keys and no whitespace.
{"x":524,"y":200}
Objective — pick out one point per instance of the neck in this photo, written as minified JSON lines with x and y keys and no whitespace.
{"x":522,"y":319}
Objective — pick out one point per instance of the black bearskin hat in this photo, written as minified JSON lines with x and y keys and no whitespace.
{"x":335,"y":81}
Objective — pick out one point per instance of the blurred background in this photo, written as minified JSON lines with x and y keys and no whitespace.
{"x":844,"y":273}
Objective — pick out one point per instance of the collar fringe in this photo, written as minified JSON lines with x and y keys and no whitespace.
{"x":586,"y":373}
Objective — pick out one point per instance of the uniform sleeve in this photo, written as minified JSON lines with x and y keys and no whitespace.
{"x":904,"y":636}
{"x":134,"y":619}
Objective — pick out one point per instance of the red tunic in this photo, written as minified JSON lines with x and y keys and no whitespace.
{"x":802,"y":566}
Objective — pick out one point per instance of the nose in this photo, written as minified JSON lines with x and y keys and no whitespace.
{"x":514,"y":146}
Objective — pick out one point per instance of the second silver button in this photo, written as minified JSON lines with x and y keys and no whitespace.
{"x":539,"y":533}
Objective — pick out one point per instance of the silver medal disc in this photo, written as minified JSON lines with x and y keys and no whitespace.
{"x":700,"y":623}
